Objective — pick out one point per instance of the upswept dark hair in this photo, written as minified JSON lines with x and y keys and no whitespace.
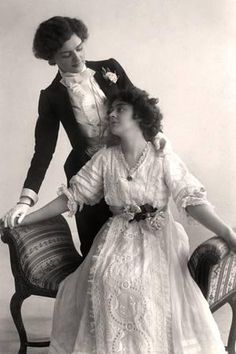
{"x":54,"y":32}
{"x":145,"y":108}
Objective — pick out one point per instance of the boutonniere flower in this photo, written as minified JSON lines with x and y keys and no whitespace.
{"x":109,"y":75}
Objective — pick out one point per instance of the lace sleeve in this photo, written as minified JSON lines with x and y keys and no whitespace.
{"x":86,"y":187}
{"x":185,"y":188}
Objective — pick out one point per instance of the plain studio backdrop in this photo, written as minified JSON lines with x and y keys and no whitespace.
{"x":182,"y":51}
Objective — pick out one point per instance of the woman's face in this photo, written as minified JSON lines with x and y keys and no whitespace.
{"x":70,"y":57}
{"x":121,"y":119}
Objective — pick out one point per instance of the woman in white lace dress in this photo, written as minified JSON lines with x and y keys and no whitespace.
{"x":133,"y":294}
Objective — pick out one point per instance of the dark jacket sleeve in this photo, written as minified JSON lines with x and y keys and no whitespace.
{"x":123,"y":81}
{"x":46,"y":133}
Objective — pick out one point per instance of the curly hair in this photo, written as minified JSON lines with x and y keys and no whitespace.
{"x":54,"y":32}
{"x":145,"y":109}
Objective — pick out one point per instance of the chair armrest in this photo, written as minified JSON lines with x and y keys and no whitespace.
{"x":42,"y":254}
{"x":204,"y":257}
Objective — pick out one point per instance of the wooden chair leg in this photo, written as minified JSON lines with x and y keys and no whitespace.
{"x":232,"y":333}
{"x":15,"y":307}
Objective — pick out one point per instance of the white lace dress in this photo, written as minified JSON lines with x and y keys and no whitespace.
{"x":133,"y":294}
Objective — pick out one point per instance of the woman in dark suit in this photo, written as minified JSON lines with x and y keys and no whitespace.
{"x":76,"y":98}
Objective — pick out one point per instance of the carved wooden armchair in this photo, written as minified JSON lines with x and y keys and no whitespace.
{"x":213,"y":267}
{"x":43,"y":254}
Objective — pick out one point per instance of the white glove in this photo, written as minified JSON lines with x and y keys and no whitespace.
{"x":15,"y":215}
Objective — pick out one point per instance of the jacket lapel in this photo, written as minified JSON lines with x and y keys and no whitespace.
{"x":62,"y":98}
{"x":106,"y":86}
{"x":64,"y":110}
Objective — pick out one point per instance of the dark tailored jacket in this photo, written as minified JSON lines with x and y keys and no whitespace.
{"x":55,"y":108}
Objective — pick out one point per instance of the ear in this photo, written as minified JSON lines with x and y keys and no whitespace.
{"x":51,"y":61}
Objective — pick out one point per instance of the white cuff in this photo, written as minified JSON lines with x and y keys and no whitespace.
{"x":26,"y":192}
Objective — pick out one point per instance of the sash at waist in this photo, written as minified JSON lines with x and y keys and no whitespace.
{"x":140,"y":212}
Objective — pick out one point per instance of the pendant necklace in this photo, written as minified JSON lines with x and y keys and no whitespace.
{"x":140,"y":160}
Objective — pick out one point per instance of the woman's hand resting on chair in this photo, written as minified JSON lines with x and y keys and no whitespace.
{"x":15,"y":215}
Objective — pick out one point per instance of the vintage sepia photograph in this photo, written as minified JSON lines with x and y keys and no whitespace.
{"x":118,"y":163}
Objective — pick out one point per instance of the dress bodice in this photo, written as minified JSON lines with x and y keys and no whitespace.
{"x":144,"y":185}
{"x":158,"y":175}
